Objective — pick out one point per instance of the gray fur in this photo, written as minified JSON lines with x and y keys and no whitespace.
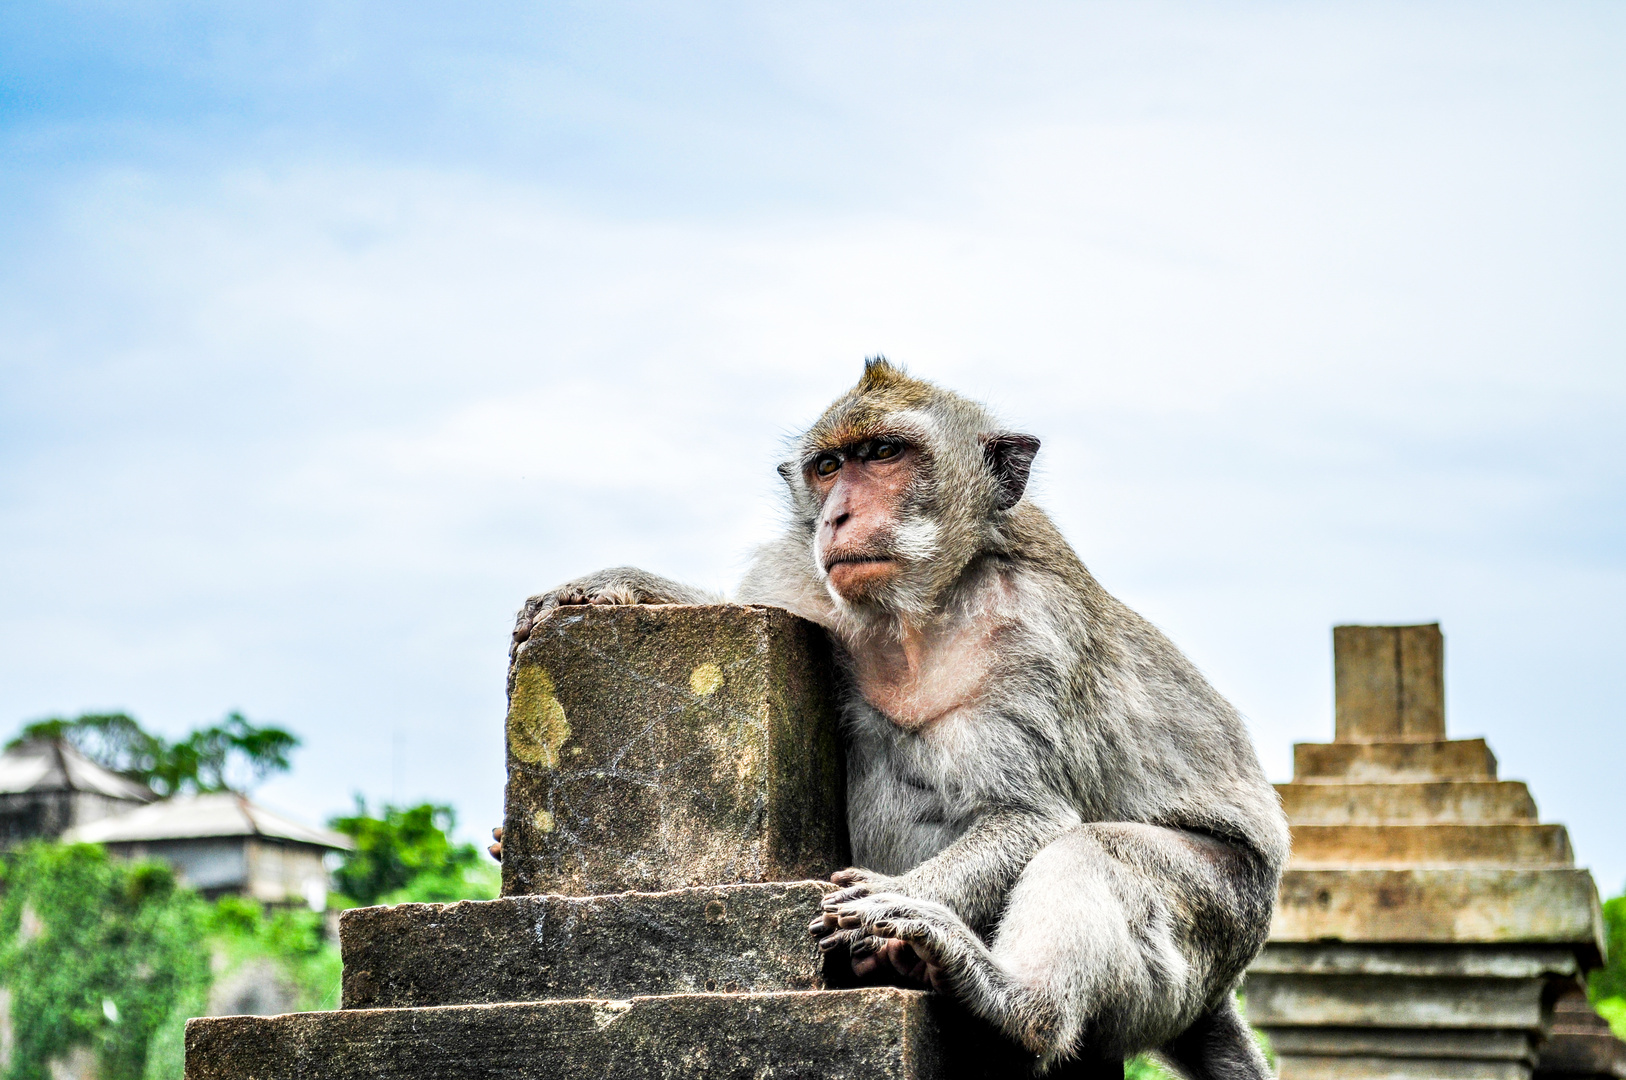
{"x":1087,"y":853}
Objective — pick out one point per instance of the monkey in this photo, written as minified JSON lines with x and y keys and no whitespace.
{"x":1054,"y":817}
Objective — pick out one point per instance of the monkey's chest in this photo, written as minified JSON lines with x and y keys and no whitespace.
{"x":938,"y":685}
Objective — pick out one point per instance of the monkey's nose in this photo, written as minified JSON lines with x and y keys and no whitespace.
{"x":839,"y":520}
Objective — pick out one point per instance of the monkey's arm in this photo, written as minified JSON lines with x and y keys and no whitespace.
{"x":973,"y":875}
{"x":617,"y":585}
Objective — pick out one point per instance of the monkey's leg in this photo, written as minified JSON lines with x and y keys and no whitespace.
{"x":1218,"y":1046}
{"x":1120,"y":935}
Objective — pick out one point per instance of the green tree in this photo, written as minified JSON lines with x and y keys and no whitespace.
{"x":407,"y":853}
{"x":1607,"y":985}
{"x":97,"y":953}
{"x":232,"y":755}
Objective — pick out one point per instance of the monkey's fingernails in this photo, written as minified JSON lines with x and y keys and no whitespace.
{"x":834,"y":941}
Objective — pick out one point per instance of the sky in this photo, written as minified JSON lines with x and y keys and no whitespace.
{"x":328,"y":332}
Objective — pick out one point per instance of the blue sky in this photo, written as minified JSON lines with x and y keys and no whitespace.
{"x":328,"y":332}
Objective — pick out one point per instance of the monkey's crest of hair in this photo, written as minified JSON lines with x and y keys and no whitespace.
{"x":869,"y":409}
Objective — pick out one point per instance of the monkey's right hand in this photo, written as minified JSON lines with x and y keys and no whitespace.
{"x":858,"y":883}
{"x":617,"y":585}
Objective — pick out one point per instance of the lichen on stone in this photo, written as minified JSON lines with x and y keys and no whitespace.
{"x":706,"y":679}
{"x":537,"y":726}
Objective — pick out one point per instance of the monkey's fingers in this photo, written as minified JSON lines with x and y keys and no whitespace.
{"x":823,"y":924}
{"x":847,"y":939}
{"x":849,"y":894}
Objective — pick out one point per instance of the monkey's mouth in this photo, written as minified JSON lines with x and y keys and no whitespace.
{"x":856,"y":560}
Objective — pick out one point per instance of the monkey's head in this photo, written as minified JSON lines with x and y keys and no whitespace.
{"x":898,"y":486}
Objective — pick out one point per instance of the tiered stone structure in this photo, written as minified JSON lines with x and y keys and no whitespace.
{"x":675,"y":786}
{"x":1428,"y":920}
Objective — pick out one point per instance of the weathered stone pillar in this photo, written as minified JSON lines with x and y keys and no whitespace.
{"x":675,"y":780}
{"x":1428,"y":919}
{"x":658,"y":747}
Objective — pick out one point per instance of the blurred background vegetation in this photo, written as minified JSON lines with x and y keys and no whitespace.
{"x":103,"y":959}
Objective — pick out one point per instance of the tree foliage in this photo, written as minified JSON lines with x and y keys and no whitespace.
{"x":1607,"y":985}
{"x":232,"y":755}
{"x":97,"y":953}
{"x":406,"y":853}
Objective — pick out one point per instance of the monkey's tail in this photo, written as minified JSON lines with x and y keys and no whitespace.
{"x":1218,"y":1046}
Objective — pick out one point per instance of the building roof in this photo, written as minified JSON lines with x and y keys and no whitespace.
{"x":54,"y":765}
{"x":199,"y":817}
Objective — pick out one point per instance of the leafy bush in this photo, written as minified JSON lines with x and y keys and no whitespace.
{"x":407,"y":855}
{"x":1607,"y":985}
{"x":97,"y":953}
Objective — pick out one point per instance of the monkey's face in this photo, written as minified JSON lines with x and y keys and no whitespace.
{"x":862,"y":491}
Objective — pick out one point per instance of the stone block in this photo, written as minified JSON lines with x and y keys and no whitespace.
{"x":1588,"y":1055}
{"x":847,"y":1034}
{"x":1500,"y":844}
{"x":1472,"y":1044}
{"x":733,"y":938}
{"x":1389,"y":683}
{"x":1388,"y":762}
{"x":1386,"y":1001}
{"x":879,"y":1033}
{"x":1376,"y":804}
{"x":1454,"y":961}
{"x":1426,"y":905}
{"x":653,"y":748}
{"x":1290,"y":1067}
{"x":1580,"y":1043}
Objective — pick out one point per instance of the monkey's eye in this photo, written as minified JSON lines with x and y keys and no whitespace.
{"x":885,"y":450}
{"x":827,"y":464}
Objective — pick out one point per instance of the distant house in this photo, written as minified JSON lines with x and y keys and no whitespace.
{"x":223,"y":843}
{"x":47,"y":787}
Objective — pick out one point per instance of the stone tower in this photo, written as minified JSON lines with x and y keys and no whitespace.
{"x":1428,"y":920}
{"x":675,"y":786}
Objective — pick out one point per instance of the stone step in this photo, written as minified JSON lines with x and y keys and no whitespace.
{"x":1377,"y":804}
{"x":880,"y":1033}
{"x":1557,"y":906}
{"x":1386,"y":1001}
{"x":1416,"y":1043}
{"x":1407,"y":961}
{"x":1318,"y":1067}
{"x":527,"y":948}
{"x":1580,"y":1043}
{"x":1437,"y":844}
{"x":1388,"y":762}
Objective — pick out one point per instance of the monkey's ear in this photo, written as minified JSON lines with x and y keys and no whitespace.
{"x":1011,"y":457}
{"x":786,"y":469}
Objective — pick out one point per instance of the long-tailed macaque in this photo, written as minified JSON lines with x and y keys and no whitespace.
{"x":1055,"y":818}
